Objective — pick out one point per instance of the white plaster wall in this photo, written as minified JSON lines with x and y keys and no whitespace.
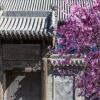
{"x":63,"y":88}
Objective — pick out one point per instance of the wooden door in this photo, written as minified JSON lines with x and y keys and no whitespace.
{"x":23,"y":86}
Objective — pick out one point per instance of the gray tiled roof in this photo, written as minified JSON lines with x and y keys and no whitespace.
{"x":30,"y":17}
{"x":31,"y":5}
{"x":32,"y":26}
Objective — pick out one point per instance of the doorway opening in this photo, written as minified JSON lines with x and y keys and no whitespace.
{"x":23,"y":86}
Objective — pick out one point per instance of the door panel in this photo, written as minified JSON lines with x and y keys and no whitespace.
{"x":23,"y":86}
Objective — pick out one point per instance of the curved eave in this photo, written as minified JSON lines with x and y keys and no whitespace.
{"x":24,"y":27}
{"x":24,"y":34}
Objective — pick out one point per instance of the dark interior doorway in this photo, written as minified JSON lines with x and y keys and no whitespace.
{"x":23,"y":86}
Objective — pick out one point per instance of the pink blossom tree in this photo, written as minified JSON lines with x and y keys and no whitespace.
{"x":80,"y":34}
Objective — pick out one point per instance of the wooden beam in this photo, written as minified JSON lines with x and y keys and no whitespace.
{"x":53,"y":41}
{"x":0,"y":53}
{"x":1,"y":85}
{"x":44,"y":76}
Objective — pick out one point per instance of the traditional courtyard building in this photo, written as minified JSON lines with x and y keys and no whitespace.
{"x":27,"y":28}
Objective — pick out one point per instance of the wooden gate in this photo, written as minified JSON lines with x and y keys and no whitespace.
{"x":23,"y":86}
